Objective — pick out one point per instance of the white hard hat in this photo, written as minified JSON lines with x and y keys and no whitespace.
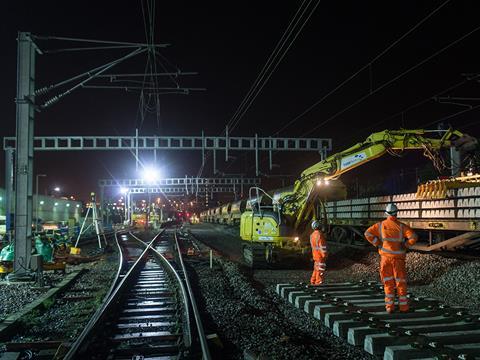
{"x":315,"y":224}
{"x":391,"y":209}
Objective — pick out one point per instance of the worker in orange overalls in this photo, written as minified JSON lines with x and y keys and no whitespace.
{"x":392,"y":239}
{"x":319,"y":253}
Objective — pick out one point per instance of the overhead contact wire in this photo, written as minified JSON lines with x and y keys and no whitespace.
{"x":366,"y":66}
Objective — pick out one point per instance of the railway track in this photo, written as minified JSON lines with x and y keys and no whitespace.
{"x":356,"y":312}
{"x":150,"y":312}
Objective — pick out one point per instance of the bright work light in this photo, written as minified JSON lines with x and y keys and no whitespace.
{"x":150,"y":174}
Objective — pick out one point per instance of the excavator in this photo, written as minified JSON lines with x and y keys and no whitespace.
{"x":281,"y":220}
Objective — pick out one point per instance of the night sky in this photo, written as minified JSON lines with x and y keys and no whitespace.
{"x":228,"y":44}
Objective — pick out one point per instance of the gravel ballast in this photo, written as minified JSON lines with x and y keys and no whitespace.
{"x":64,"y":317}
{"x":249,"y":314}
{"x":450,"y":280}
{"x":255,"y":320}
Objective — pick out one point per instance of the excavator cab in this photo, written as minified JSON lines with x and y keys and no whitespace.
{"x":264,"y":227}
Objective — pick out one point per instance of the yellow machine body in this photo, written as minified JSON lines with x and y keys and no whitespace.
{"x":303,"y":202}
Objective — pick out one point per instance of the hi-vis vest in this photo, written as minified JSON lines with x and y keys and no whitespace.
{"x":391,"y":237}
{"x":319,"y":244}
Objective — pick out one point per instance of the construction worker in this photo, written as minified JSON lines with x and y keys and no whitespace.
{"x":319,"y":253}
{"x":392,"y":239}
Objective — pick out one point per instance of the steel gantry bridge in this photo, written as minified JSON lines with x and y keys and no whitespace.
{"x":203,"y":143}
{"x":174,"y":187}
{"x":19,"y":150}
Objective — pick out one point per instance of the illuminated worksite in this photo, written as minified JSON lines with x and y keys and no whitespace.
{"x":289,"y":180}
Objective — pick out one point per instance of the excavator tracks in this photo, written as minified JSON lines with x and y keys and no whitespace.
{"x":356,"y":312}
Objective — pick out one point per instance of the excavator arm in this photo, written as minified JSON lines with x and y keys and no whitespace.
{"x":299,"y":204}
{"x":378,"y":144}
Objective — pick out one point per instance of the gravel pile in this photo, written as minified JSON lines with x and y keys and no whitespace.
{"x":258,"y":321}
{"x":458,"y":287}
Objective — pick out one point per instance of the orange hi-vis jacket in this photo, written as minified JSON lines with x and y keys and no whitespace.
{"x":319,"y":245}
{"x":391,"y":236}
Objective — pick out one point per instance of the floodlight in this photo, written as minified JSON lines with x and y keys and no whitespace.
{"x":150,"y":174}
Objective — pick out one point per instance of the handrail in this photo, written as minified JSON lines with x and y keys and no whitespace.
{"x":198,"y":321}
{"x":108,"y":300}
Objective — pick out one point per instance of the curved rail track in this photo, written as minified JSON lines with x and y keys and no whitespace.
{"x":150,"y":310}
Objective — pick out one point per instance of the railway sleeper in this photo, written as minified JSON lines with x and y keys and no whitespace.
{"x":356,"y":311}
{"x":168,"y":348}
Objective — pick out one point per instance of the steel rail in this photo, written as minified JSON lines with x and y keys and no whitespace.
{"x":108,"y":300}
{"x":196,"y":314}
{"x":170,"y":268}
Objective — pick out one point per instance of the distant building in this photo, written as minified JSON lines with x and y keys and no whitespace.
{"x":50,"y":209}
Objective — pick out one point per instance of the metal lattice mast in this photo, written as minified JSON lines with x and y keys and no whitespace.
{"x":24,"y":151}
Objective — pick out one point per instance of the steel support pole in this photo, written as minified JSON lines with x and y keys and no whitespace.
{"x":9,"y":179}
{"x":270,"y":160}
{"x":226,"y":144}
{"x":136,"y":150}
{"x":241,"y":187}
{"x":36,"y":203}
{"x":203,"y":149}
{"x":455,"y":161}
{"x":129,"y":206}
{"x":24,"y":152}
{"x":256,"y":155}
{"x":214,"y":162}
{"x":102,"y":204}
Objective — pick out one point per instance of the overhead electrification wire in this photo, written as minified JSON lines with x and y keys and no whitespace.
{"x":384,"y":85}
{"x":413,"y":106}
{"x":294,"y":28}
{"x":271,"y":61}
{"x":364,"y":67}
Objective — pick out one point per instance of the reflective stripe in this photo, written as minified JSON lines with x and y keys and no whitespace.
{"x":402,"y":298}
{"x":389,"y":295}
{"x":400,"y":280}
{"x":389,"y":302}
{"x":393,"y":251}
{"x":393,"y":239}
{"x":375,"y":241}
{"x":400,"y":235}
{"x":381,"y":230}
{"x":388,"y":278}
{"x":369,"y":234}
{"x":403,"y":303}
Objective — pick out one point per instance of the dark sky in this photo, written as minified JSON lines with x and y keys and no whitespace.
{"x":228,"y":43}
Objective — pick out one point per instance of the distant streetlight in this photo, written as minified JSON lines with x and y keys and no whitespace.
{"x":56,"y":188}
{"x":123,"y":190}
{"x":36,"y":199}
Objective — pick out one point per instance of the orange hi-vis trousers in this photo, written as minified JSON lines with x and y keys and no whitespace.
{"x":394,"y":276}
{"x":319,"y":267}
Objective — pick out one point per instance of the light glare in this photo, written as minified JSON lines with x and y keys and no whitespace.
{"x":150,"y":174}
